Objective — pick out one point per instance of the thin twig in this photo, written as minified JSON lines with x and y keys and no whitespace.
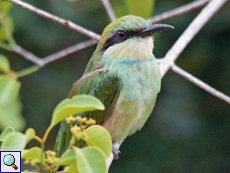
{"x":27,"y":55}
{"x":179,"y":11}
{"x":3,"y":45}
{"x":109,"y":9}
{"x":207,"y":12}
{"x":68,"y":51}
{"x":200,"y":83}
{"x":65,"y":23}
{"x":27,"y":71}
{"x":55,"y":56}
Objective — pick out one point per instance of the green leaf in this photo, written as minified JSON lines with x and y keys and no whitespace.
{"x":6,"y":132}
{"x":90,"y":160}
{"x":7,"y":28}
{"x":119,"y":9}
{"x":99,"y":137}
{"x":142,"y":8}
{"x":4,"y":64}
{"x":30,"y":134}
{"x":71,"y":168}
{"x":75,"y":105}
{"x":10,"y":115}
{"x":14,"y":142}
{"x":9,"y":89}
{"x":72,"y":0}
{"x":4,"y":8}
{"x":34,"y":153}
{"x":68,"y":158}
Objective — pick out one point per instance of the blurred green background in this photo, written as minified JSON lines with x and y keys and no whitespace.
{"x":189,"y":129}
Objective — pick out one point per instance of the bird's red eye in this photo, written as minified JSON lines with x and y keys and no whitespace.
{"x":121,"y":34}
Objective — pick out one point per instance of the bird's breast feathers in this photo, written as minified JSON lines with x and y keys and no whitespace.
{"x":139,"y":79}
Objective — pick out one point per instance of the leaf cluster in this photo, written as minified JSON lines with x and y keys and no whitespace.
{"x":10,"y":105}
{"x":91,"y":158}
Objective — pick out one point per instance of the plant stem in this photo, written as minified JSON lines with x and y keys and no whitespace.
{"x":46,"y":134}
{"x":38,"y":139}
{"x":42,"y":147}
{"x":72,"y":142}
{"x":5,"y":46}
{"x":37,"y":167}
{"x":50,"y":169}
{"x":56,"y":168}
{"x":27,"y":71}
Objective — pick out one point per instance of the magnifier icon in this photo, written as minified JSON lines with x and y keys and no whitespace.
{"x":9,"y":160}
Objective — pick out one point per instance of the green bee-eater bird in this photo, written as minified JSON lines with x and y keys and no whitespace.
{"x":124,"y":74}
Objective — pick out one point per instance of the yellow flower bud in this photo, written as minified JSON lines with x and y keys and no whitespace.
{"x":69,"y":119}
{"x":27,"y":161}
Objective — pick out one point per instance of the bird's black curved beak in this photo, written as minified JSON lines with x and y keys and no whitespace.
{"x":152,"y":29}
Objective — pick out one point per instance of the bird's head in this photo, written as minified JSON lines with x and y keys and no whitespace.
{"x":129,"y":34}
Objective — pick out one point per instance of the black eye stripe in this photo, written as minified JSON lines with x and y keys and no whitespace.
{"x":115,"y":39}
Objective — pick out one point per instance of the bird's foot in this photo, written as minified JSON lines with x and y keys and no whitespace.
{"x":116,"y":153}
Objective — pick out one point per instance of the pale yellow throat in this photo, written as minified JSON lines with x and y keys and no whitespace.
{"x":132,"y":49}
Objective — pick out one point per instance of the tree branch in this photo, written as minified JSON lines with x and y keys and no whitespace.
{"x":179,"y":11}
{"x":58,"y":55}
{"x":200,"y":83}
{"x":207,"y":12}
{"x":65,"y":23}
{"x":28,"y":55}
{"x":68,"y":51}
{"x":109,"y":9}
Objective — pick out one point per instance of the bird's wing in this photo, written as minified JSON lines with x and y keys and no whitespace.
{"x":98,"y":84}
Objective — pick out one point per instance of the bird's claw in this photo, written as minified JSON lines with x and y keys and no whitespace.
{"x":116,"y":153}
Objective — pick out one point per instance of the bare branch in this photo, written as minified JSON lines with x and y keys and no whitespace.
{"x":111,"y":157}
{"x":200,"y":83}
{"x":65,"y":23}
{"x":68,"y":51}
{"x":27,"y":55}
{"x":179,"y":11}
{"x":53,"y":57}
{"x":42,"y":62}
{"x":109,"y":9}
{"x":190,"y":33}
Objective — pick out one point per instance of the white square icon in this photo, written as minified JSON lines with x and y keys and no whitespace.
{"x":10,"y":161}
